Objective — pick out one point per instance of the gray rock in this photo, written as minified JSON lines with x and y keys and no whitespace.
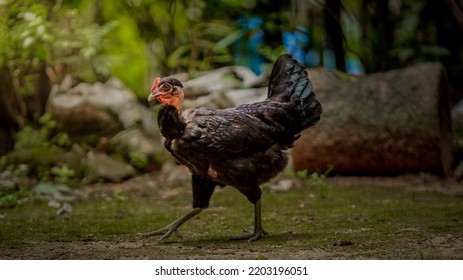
{"x":281,"y":185}
{"x":225,"y":87}
{"x":54,"y":204}
{"x":173,"y":174}
{"x":218,"y":80}
{"x":248,"y":77}
{"x":216,"y":100}
{"x":98,"y":108}
{"x":229,"y":98}
{"x":136,"y":140}
{"x":10,"y":180}
{"x":103,"y":167}
{"x":392,"y":122}
{"x":246,"y":96}
{"x":52,"y":191}
{"x":65,"y":208}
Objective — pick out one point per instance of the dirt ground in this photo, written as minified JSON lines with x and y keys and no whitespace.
{"x":443,"y":246}
{"x":412,"y":244}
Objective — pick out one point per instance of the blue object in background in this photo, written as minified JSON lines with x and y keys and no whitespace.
{"x":297,"y":43}
{"x":354,"y":66}
{"x":312,"y":58}
{"x":329,"y":58}
{"x":247,"y":51}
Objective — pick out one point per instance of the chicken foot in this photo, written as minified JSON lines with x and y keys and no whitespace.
{"x":173,"y":227}
{"x":259,"y":232}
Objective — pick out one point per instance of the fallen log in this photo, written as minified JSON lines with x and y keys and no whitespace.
{"x":384,"y":123}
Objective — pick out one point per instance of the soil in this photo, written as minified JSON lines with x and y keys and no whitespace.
{"x":443,"y":246}
{"x":412,"y":244}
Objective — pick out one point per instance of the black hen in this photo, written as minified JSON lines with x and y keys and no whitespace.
{"x":243,"y":146}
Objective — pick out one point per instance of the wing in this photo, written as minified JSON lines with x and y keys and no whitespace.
{"x":230,"y":131}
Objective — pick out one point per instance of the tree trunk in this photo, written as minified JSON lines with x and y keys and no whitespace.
{"x":9,"y":116}
{"x":377,"y":26}
{"x":333,"y":29}
{"x":384,"y":123}
{"x":17,"y":110}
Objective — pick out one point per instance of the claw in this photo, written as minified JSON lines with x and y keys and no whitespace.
{"x":165,"y":232}
{"x":173,"y":227}
{"x":258,"y":234}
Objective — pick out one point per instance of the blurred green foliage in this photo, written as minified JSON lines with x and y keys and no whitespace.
{"x":36,"y":33}
{"x":138,"y":160}
{"x":63,"y":174}
{"x":43,"y":41}
{"x":137,"y":39}
{"x":41,"y":137}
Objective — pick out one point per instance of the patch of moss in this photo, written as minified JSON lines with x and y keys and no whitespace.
{"x":354,"y":222}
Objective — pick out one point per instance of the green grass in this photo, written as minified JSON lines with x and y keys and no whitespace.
{"x":353,"y":222}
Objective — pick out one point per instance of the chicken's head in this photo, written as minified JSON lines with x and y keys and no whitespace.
{"x":167,"y":91}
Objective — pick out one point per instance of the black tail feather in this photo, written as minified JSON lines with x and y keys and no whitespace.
{"x":312,"y":113}
{"x":290,"y":79}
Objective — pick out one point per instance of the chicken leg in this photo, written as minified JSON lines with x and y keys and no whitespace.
{"x":259,"y":232}
{"x":173,"y":227}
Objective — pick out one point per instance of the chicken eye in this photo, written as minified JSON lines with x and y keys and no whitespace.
{"x":166,"y":87}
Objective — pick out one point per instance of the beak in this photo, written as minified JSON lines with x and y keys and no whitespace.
{"x":153,"y":96}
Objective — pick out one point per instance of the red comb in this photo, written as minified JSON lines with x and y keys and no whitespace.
{"x":156,"y":83}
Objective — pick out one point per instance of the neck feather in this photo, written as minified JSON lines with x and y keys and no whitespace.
{"x":171,"y":122}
